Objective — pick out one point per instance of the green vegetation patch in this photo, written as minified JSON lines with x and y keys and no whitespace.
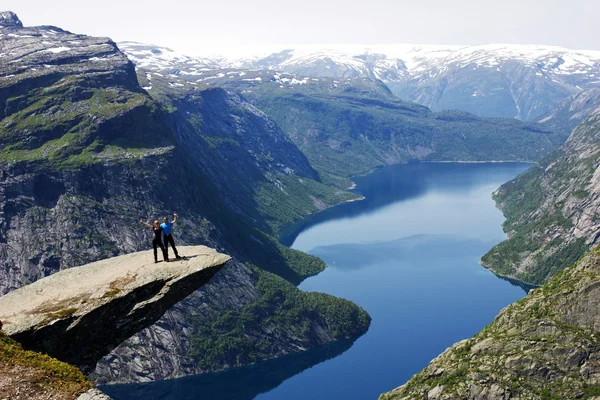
{"x":52,"y":373}
{"x":71,"y":123}
{"x":234,"y":338}
{"x":287,"y":198}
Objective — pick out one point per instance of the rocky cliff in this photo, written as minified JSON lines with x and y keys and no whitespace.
{"x":573,"y":110}
{"x":259,"y":318}
{"x":545,"y":346}
{"x":551,"y":210}
{"x":85,"y":153}
{"x":80,"y":314}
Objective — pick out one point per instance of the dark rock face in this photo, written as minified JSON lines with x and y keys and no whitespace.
{"x":80,"y":314}
{"x":544,"y":344}
{"x":350,"y":126}
{"x":9,"y":18}
{"x":164,"y":351}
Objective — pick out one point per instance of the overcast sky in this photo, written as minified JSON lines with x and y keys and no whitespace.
{"x":202,"y":26}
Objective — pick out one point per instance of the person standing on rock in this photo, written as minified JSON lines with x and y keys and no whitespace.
{"x":157,"y":241}
{"x":167,"y":227}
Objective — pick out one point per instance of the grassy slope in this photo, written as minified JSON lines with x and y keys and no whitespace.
{"x":74,"y":122}
{"x":49,"y":375}
{"x":349,"y":127}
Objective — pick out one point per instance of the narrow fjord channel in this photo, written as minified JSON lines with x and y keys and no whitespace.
{"x":409,"y":254}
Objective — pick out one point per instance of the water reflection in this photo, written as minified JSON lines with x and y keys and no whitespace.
{"x":419,"y":249}
{"x":237,"y":384}
{"x":399,"y":183}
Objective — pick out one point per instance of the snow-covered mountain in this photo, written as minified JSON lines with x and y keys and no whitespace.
{"x":162,"y":58}
{"x":522,"y":81}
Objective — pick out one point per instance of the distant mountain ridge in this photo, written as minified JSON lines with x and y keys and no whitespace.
{"x":496,"y":80}
{"x":349,"y":126}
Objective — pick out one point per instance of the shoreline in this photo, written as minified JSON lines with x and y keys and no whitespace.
{"x":511,"y":279}
{"x":354,"y":186}
{"x":480,"y":162}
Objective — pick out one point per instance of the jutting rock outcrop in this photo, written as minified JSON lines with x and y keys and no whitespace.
{"x":80,"y":314}
{"x":545,"y":346}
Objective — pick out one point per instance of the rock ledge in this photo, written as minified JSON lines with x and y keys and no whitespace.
{"x":80,"y":314}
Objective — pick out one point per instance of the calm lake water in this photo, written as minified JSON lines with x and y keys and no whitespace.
{"x":409,"y":254}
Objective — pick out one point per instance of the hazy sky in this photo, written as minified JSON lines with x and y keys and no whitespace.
{"x":202,"y":26}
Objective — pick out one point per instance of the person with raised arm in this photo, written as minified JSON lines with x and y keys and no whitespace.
{"x":167,"y":228}
{"x":157,"y":241}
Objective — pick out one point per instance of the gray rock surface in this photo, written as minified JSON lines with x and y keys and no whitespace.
{"x":9,"y":18}
{"x":80,"y":314}
{"x":162,"y":351}
{"x":573,"y":110}
{"x":93,"y":394}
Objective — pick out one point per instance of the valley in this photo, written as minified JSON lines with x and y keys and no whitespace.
{"x":354,"y":189}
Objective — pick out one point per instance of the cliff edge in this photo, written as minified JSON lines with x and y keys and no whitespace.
{"x":80,"y":314}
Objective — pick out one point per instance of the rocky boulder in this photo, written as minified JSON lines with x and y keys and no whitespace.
{"x":80,"y":314}
{"x":9,"y":18}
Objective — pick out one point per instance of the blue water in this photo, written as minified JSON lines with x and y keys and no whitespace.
{"x":408,"y":253}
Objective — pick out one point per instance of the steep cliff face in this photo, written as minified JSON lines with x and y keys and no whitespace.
{"x":573,"y":110}
{"x":86,"y":152}
{"x":545,"y":346}
{"x":551,"y":210}
{"x":269,"y":179}
{"x":74,"y":126}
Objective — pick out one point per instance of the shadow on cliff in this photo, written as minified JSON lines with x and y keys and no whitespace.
{"x":237,"y":384}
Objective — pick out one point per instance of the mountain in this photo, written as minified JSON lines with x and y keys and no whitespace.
{"x":349,"y":126}
{"x":85,"y":153}
{"x":551,"y":210}
{"x":496,"y":80}
{"x":544,"y":346}
{"x":573,"y":110}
